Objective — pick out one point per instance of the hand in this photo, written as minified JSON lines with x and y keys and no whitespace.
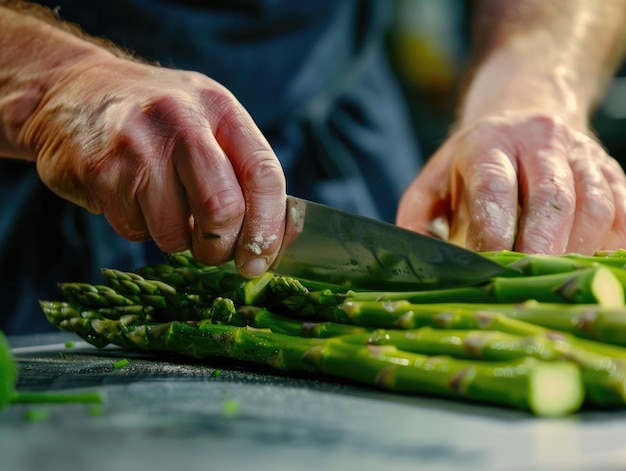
{"x":164,"y":154}
{"x":523,"y":182}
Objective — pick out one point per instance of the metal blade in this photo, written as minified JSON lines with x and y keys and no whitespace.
{"x":332,"y":246}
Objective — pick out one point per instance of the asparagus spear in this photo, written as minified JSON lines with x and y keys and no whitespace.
{"x":590,"y":321}
{"x":544,"y":388}
{"x":604,"y":376}
{"x":527,"y":319}
{"x":535,"y":264}
{"x":590,"y":285}
{"x":209,"y":282}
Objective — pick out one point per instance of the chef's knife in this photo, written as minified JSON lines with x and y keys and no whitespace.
{"x":329,"y":245}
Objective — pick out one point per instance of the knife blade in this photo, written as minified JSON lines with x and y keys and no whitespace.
{"x":329,"y":245}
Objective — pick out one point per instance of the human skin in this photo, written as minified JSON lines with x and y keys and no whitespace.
{"x":171,"y":155}
{"x":164,"y":154}
{"x":521,"y":168}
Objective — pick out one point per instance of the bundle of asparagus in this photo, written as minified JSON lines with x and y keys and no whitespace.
{"x":547,"y":338}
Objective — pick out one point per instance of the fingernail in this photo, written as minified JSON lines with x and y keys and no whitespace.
{"x":255,"y":266}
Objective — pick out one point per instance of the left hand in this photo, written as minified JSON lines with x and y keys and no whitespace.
{"x":524,"y":182}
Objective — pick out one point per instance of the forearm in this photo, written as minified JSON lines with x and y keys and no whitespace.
{"x":538,"y":55}
{"x":36,"y":49}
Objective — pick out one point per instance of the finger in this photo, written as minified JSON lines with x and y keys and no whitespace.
{"x":424,"y":206}
{"x":490,"y":181}
{"x":213,"y":195}
{"x":547,"y":201}
{"x":263,"y":183}
{"x":120,"y":206}
{"x":167,"y":216}
{"x":207,"y":184}
{"x":616,"y":237}
{"x":595,"y":206}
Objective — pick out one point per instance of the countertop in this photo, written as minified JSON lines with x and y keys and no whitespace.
{"x":160,"y":413}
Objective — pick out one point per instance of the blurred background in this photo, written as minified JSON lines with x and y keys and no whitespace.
{"x":429,"y":45}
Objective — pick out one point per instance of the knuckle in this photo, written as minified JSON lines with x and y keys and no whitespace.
{"x":221,"y":208}
{"x":173,"y":240}
{"x":221,"y":103}
{"x":126,"y":228}
{"x":263,"y":174}
{"x":492,"y":179}
{"x":554,"y":197}
{"x":536,"y":240}
{"x":598,"y":205}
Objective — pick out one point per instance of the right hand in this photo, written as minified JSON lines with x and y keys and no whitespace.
{"x":164,"y":154}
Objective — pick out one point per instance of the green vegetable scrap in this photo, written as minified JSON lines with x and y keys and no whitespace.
{"x":120,"y":363}
{"x":547,"y":337}
{"x":37,"y":415}
{"x":230,"y":407}
{"x":8,"y":373}
{"x":8,"y":394}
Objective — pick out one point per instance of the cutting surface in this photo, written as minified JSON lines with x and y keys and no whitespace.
{"x":160,"y":413}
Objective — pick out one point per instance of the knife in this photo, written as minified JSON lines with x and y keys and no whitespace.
{"x":328,"y":245}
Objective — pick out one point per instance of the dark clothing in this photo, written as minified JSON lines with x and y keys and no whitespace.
{"x":312,"y":73}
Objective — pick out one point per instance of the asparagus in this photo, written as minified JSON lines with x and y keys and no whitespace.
{"x":587,"y":321}
{"x":590,"y":285}
{"x":334,"y":329}
{"x":208,"y":282}
{"x":604,"y":376}
{"x":8,"y":372}
{"x":542,"y":387}
{"x":602,"y":365}
{"x":534,"y":264}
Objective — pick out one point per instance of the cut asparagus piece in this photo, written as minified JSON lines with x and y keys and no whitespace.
{"x":548,"y":389}
{"x":604,"y":376}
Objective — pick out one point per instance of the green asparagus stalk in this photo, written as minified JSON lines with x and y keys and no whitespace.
{"x":606,"y":326}
{"x":590,"y":321}
{"x":591,"y":285}
{"x":210,"y":282}
{"x":527,"y":319}
{"x":544,"y":388}
{"x":537,"y":264}
{"x":102,"y":296}
{"x":604,"y":376}
{"x":261,"y":318}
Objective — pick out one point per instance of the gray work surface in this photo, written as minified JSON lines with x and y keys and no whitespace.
{"x":161,"y":413}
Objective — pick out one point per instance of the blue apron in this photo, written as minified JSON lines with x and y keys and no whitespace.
{"x":312,"y":73}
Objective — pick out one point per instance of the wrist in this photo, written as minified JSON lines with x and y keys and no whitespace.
{"x":517,"y":79}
